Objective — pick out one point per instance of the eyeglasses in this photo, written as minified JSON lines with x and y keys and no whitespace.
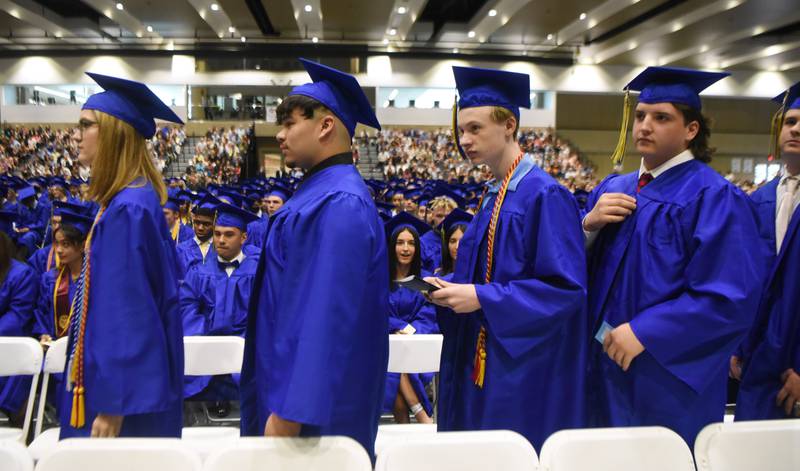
{"x":85,"y":124}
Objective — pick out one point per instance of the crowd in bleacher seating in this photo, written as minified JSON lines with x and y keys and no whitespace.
{"x":218,"y":156}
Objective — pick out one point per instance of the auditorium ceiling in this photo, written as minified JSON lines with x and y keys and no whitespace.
{"x":722,"y":34}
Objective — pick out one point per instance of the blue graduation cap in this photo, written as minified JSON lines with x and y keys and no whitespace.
{"x":664,"y":85}
{"x":230,"y":197}
{"x":173,"y":204}
{"x":492,"y":87}
{"x":673,"y":85}
{"x":79,"y":221}
{"x":340,"y":92}
{"x":208,"y":202}
{"x":58,"y":181}
{"x":60,"y":207}
{"x":456,"y":217}
{"x":789,"y":99}
{"x":26,"y":192}
{"x":281,"y":191}
{"x":404,"y":220}
{"x":384,"y":207}
{"x":131,"y":102}
{"x":232,"y":216}
{"x":7,"y":219}
{"x":445,"y":192}
{"x":185,"y":196}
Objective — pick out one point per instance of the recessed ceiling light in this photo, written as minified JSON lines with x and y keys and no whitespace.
{"x":402,"y":10}
{"x":455,"y":50}
{"x":258,"y":66}
{"x":231,"y":29}
{"x":583,"y":16}
{"x":392,"y":32}
{"x":214,"y":7}
{"x":492,"y":12}
{"x":471,"y":34}
{"x":244,"y":39}
{"x":149,"y":29}
{"x":120,"y":6}
{"x":308,"y":8}
{"x":550,"y":37}
{"x":385,"y":41}
{"x":315,"y":40}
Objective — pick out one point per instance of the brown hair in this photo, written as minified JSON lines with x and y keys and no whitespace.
{"x":699,"y":145}
{"x":122,"y":157}
{"x":499,"y":115}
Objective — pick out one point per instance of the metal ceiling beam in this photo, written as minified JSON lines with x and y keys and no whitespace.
{"x":217,"y":19}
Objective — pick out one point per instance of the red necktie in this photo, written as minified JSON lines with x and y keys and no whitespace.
{"x":643,"y":181}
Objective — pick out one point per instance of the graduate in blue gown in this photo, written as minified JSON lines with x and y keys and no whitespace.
{"x":515,"y":342}
{"x":18,"y":290}
{"x":31,"y":220}
{"x":442,"y":204}
{"x":676,"y":267}
{"x":46,"y":258}
{"x":409,"y":314}
{"x":770,"y":375}
{"x":125,"y":356}
{"x":179,"y":231}
{"x":275,"y":198}
{"x":200,"y":248}
{"x":316,"y":346}
{"x":59,"y":284}
{"x":214,"y":297}
{"x":452,"y":228}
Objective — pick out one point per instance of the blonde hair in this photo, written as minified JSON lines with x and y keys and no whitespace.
{"x":499,"y":115}
{"x":442,"y":202}
{"x":122,"y":157}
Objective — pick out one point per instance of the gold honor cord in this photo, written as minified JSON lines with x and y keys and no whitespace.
{"x":619,"y":151}
{"x":775,"y":128}
{"x":479,"y":365}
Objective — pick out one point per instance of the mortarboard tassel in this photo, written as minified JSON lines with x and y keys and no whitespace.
{"x":775,"y":129}
{"x":455,"y":129}
{"x":619,"y":151}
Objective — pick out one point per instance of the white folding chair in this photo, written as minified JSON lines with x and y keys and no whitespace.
{"x":54,"y":361}
{"x":416,"y":354}
{"x":772,"y":445}
{"x":120,"y":454}
{"x":207,"y":356}
{"x":467,"y":451}
{"x":290,"y":454}
{"x":21,"y":356}
{"x":14,"y":456}
{"x":389,"y":434}
{"x":616,"y":449}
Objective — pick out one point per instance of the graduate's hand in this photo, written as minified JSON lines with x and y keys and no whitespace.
{"x":622,"y":346}
{"x":278,"y":427}
{"x":461,"y":298}
{"x":45,"y":341}
{"x":106,"y":426}
{"x":736,"y":368}
{"x":610,"y":208}
{"x":790,"y":393}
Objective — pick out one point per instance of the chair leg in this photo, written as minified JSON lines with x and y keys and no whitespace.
{"x":40,"y":409}
{"x":29,"y":410}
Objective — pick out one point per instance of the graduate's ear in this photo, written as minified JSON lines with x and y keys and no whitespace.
{"x":691,"y":130}
{"x":326,"y":127}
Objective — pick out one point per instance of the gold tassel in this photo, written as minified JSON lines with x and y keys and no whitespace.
{"x":78,"y":416}
{"x":622,"y":143}
{"x":455,"y":129}
{"x":775,"y":129}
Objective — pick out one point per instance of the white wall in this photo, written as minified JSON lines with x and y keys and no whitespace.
{"x":382,"y":71}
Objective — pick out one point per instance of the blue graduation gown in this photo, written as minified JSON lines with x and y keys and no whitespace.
{"x":409,"y":307}
{"x":317,"y":348}
{"x":533,"y":311}
{"x":17,"y":297}
{"x":764,"y":200}
{"x":214,"y":304}
{"x":686,"y":270}
{"x":189,"y":255}
{"x":255,"y":233}
{"x":38,"y":261}
{"x":185,"y":232}
{"x":45,"y":322}
{"x":431,"y":245}
{"x":773,"y":345}
{"x":35,"y":220}
{"x":134,"y":338}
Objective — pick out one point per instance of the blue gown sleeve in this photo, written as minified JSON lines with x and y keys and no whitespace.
{"x":525,"y":313}
{"x":425,"y":317}
{"x":134,"y":324}
{"x":18,"y":318}
{"x":191,"y":313}
{"x":320,"y":307}
{"x":692,"y":334}
{"x":43,"y":312}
